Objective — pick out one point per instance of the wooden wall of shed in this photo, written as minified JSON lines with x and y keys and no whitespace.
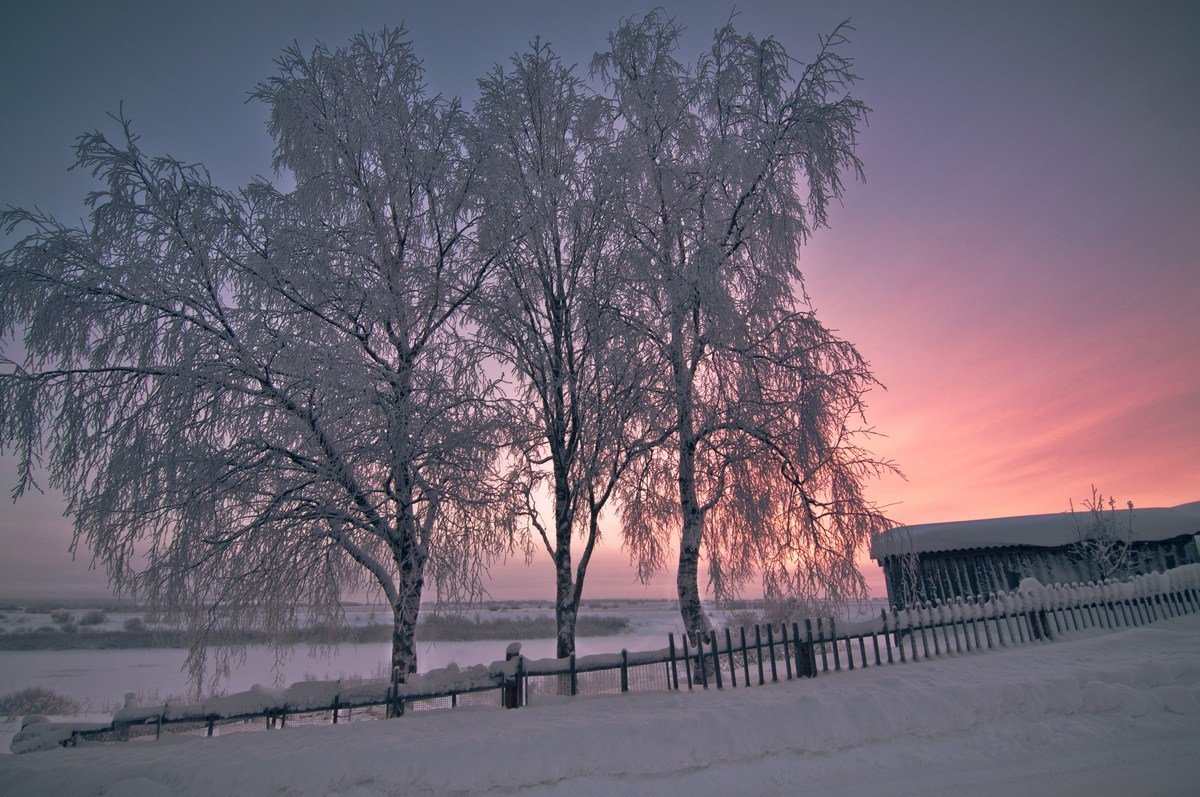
{"x":942,"y":576}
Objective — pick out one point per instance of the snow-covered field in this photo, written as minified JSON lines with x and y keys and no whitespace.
{"x":1103,"y":714}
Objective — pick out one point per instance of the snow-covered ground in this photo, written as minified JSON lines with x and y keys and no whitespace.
{"x":1103,"y":714}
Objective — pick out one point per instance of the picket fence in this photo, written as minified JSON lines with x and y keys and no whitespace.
{"x":745,"y":657}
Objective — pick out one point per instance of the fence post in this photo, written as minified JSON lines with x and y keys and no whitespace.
{"x":886,"y":640}
{"x":771,"y":648}
{"x":787,"y":651}
{"x":837,"y":658}
{"x":975,"y":622}
{"x":674,"y":665}
{"x":575,"y":676}
{"x":701,"y":668}
{"x":729,"y":656}
{"x":937,"y":650}
{"x":511,"y":690}
{"x":812,"y":650}
{"x":624,"y":670}
{"x":745,"y":657}
{"x":687,"y":660}
{"x":716,"y":659}
{"x":924,"y":637}
{"x":801,"y":654}
{"x":758,"y":653}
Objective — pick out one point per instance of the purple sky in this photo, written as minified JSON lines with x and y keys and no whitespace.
{"x":1022,"y":266}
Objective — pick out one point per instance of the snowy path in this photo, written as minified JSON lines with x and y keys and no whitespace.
{"x":1108,"y":714}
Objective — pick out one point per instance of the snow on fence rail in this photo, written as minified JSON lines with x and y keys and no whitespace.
{"x":747,"y":656}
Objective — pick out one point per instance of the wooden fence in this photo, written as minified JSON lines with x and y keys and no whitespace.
{"x":732,"y":658}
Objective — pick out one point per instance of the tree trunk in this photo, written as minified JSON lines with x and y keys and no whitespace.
{"x":565,"y":612}
{"x":404,"y":617}
{"x":687,"y":581}
{"x":565,"y":607}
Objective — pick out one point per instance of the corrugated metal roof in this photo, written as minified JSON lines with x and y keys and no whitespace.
{"x":1046,"y":531}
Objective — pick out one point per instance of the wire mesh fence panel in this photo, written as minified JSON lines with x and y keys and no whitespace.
{"x":543,"y":687}
{"x":648,"y":677}
{"x":363,"y":714}
{"x":143,"y":733}
{"x":430,"y":704}
{"x":599,"y":682}
{"x":488,"y":697}
{"x":187,"y":728}
{"x":223,"y":727}
{"x":310,"y":718}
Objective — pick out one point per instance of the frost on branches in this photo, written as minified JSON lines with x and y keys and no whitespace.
{"x":460,"y":334}
{"x":268,"y":395}
{"x":728,"y":164}
{"x":553,"y":312}
{"x":1104,"y":538}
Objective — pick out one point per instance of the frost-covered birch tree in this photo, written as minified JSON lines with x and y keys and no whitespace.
{"x":256,"y":402}
{"x":730,"y":163}
{"x":551,"y":313}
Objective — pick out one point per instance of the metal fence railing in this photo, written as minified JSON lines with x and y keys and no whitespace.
{"x":733,"y":658}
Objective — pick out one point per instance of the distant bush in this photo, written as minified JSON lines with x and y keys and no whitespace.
{"x":38,"y":700}
{"x":134,"y":625}
{"x":61,"y":616}
{"x":433,"y":628}
{"x":462,"y":628}
{"x":94,"y":617}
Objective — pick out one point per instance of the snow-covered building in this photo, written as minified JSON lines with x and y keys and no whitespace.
{"x":937,"y":561}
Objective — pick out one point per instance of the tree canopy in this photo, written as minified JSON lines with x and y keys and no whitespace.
{"x":259,"y":400}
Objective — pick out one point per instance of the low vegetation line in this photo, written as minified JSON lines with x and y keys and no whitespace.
{"x":434,"y":628}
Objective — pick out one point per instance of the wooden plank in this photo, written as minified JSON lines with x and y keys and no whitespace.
{"x":729,"y":656}
{"x":674,"y":664}
{"x":716,"y":659}
{"x":771,"y":648}
{"x":812,"y":651}
{"x":745,"y":658}
{"x":687,"y":660}
{"x":886,"y":639}
{"x":787,"y":651}
{"x":758,"y":653}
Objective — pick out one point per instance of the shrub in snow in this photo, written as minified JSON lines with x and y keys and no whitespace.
{"x":38,"y":700}
{"x":94,"y":617}
{"x":61,"y":616}
{"x":135,"y":625}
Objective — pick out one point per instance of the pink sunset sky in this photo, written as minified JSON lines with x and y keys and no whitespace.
{"x":1021,"y":266}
